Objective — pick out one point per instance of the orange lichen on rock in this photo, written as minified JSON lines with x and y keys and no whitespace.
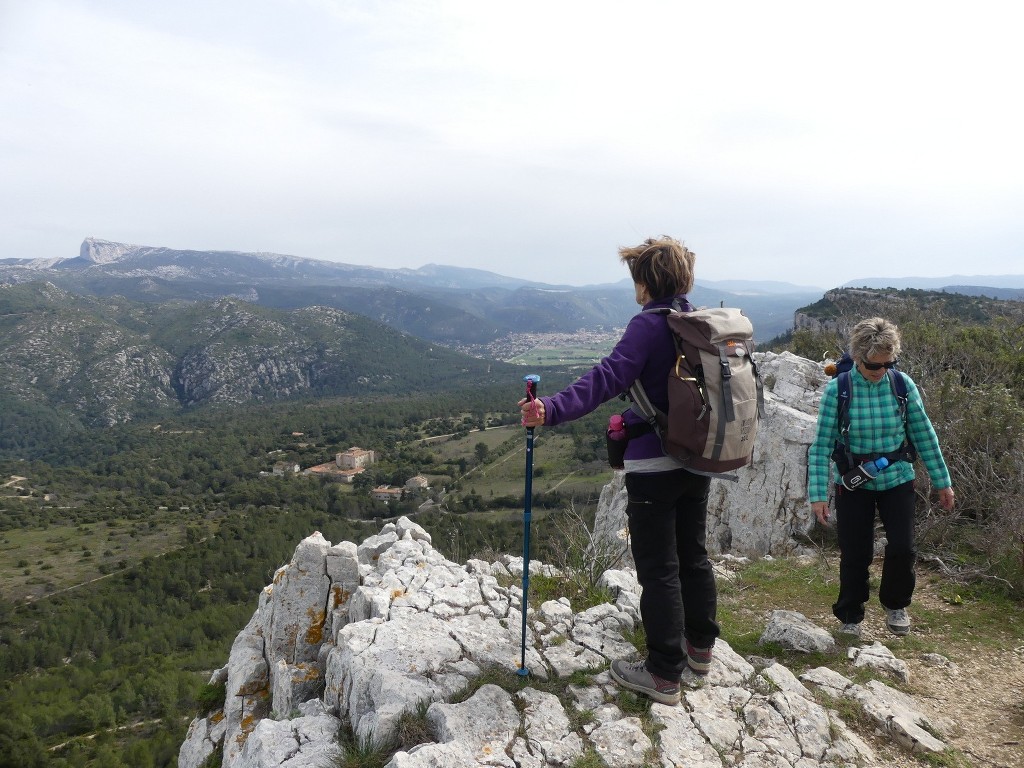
{"x":315,"y":633}
{"x":253,"y":688}
{"x":309,"y":672}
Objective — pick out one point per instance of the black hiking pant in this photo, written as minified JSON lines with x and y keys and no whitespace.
{"x":667,"y":514}
{"x":855,"y":526}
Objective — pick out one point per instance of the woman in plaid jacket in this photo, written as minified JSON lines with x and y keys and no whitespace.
{"x":877,"y":428}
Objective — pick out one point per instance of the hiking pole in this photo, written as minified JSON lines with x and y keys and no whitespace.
{"x":531,"y":395}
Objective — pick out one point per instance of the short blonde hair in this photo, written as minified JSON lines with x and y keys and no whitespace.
{"x":662,"y":265}
{"x":874,"y":336}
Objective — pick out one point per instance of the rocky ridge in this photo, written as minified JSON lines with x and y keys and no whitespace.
{"x":352,"y":636}
{"x":111,"y":361}
{"x":456,"y":306}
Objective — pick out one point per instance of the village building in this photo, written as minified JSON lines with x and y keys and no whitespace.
{"x":355,"y":458}
{"x":417,"y":483}
{"x":285,"y":467}
{"x":330,"y":472}
{"x":386,"y":493}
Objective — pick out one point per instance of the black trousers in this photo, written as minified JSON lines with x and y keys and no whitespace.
{"x":855,"y":526}
{"x":667,"y":514}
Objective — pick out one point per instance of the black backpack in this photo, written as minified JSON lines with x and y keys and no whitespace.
{"x":844,"y":458}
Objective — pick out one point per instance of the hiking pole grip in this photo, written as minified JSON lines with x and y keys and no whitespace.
{"x":531,"y":379}
{"x":531,"y":395}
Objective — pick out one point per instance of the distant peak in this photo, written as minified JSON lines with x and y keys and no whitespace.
{"x":103,"y":251}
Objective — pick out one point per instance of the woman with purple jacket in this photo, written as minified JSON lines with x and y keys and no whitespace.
{"x":667,"y":506}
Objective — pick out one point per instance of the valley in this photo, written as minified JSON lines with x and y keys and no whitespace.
{"x":130,"y":557}
{"x":58,"y":534}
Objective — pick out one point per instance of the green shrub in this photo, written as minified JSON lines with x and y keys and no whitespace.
{"x":211,"y":698}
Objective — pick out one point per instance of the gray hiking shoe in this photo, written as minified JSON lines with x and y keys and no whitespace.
{"x":635,"y":677}
{"x":898,"y":621}
{"x":698,"y":659}
{"x":851,"y":630}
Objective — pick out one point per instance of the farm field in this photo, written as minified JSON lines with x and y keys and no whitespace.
{"x":503,"y":471}
{"x":35,"y":561}
{"x":562,"y":351}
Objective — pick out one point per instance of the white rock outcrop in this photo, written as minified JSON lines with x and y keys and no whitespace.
{"x":355,"y":637}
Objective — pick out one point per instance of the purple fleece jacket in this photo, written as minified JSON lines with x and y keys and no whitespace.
{"x":646,"y":351}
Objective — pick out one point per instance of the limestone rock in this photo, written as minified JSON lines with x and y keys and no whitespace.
{"x":621,"y":743}
{"x":895,"y":712}
{"x":878,"y":657}
{"x":361,"y":635}
{"x":488,"y":720}
{"x":547,"y":725}
{"x":305,"y":742}
{"x":795,"y":632}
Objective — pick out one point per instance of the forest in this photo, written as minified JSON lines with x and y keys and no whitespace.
{"x":133,"y":557}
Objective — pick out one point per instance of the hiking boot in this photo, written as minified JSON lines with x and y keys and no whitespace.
{"x":635,"y":677}
{"x":850,"y":629}
{"x":698,"y":659}
{"x":898,"y":621}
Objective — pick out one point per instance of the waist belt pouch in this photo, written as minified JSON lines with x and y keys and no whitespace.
{"x":616,"y":451}
{"x":841,"y":459}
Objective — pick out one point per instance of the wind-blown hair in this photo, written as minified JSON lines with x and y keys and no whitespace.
{"x":663,"y":265}
{"x":874,"y":336}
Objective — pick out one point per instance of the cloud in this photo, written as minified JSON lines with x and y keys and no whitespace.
{"x":805,"y":140}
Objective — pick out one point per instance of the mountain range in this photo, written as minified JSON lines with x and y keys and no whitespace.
{"x":460,"y":307}
{"x":123,"y":331}
{"x":464,"y":308}
{"x":972,"y":285}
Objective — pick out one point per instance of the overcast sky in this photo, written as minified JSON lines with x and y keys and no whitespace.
{"x":809,"y":142}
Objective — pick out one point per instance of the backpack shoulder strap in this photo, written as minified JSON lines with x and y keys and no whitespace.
{"x":636,"y":393}
{"x":843,"y":413}
{"x":898,"y":382}
{"x":843,"y":406}
{"x":643,"y":406}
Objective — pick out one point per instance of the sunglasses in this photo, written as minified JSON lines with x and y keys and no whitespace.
{"x":879,"y":366}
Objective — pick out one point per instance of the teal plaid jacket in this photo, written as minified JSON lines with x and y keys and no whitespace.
{"x":875,"y":427}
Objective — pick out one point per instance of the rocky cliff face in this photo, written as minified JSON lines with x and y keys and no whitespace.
{"x":353,"y":636}
{"x":805,"y":322}
{"x":97,"y":251}
{"x":109,"y":371}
